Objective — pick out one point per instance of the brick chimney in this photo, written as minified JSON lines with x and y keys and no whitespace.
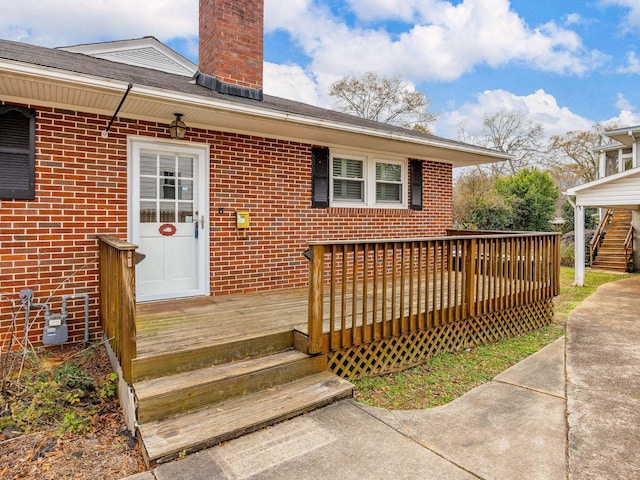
{"x":231,"y":46}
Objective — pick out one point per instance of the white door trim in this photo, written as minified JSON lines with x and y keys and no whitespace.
{"x":134,"y":145}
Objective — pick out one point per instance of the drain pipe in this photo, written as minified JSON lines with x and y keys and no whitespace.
{"x":78,"y":296}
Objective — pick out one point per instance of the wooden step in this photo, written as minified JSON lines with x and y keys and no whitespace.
{"x":166,"y":439}
{"x":175,"y":361}
{"x":166,"y":396}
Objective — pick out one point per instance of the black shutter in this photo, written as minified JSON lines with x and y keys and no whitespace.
{"x":17,"y":152}
{"x":415,"y":168}
{"x":320,"y":177}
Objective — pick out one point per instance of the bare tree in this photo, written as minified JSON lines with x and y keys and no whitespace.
{"x":508,"y":131}
{"x":383,"y":99}
{"x":571,"y":157}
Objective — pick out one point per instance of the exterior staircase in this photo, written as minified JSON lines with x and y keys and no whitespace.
{"x":611,"y":247}
{"x":190,"y":400}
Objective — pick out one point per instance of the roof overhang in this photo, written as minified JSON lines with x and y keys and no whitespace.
{"x":624,"y":135}
{"x":33,"y":84}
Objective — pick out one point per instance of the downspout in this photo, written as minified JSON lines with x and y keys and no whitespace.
{"x":105,"y":133}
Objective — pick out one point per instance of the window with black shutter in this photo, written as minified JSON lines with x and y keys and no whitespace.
{"x":17,"y":152}
{"x":415,"y":167}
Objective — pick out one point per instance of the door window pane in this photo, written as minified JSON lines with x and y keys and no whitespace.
{"x":185,"y":167}
{"x":148,"y":212}
{"x":148,"y":164}
{"x":148,"y":187}
{"x":167,"y":212}
{"x":185,"y":189}
{"x":185,"y":212}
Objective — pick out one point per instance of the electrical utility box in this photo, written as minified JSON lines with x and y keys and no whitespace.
{"x":242,"y":219}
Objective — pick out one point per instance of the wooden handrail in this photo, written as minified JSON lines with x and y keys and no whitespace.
{"x":361,"y":291}
{"x":628,"y":247}
{"x":117,"y":298}
{"x":598,"y":236}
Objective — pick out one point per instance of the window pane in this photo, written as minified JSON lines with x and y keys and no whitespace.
{"x":348,"y":168}
{"x":148,"y":187}
{"x":148,"y":212}
{"x":185,"y":167}
{"x":348,"y":190}
{"x":167,"y":212}
{"x":167,"y":165}
{"x":388,"y":192}
{"x":148,"y":165}
{"x":391,"y":172}
{"x":611,"y":163}
{"x":185,"y":189}
{"x":185,"y":212}
{"x":168,"y":189}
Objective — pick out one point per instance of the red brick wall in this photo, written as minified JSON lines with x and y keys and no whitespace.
{"x":48,"y":244}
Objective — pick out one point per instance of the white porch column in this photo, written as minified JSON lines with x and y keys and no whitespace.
{"x":578,"y":230}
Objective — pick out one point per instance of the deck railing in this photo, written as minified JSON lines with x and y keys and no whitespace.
{"x":362,"y":291}
{"x":117,"y":298}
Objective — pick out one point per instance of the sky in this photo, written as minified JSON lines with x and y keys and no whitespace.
{"x":565,"y":64}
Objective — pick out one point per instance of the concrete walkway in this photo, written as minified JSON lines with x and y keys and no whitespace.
{"x":571,"y":411}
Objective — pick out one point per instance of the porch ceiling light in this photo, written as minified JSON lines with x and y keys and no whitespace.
{"x":177,"y":128}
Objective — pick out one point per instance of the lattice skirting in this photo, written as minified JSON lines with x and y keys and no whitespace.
{"x":398,"y":353}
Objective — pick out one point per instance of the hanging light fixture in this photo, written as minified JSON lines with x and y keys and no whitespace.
{"x":177,"y":128}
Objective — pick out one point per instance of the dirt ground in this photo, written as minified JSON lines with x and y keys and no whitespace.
{"x":106,"y":451}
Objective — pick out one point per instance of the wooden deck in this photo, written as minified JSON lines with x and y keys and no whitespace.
{"x":202,"y":369}
{"x":202,"y":321}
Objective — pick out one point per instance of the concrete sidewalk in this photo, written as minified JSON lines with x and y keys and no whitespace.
{"x":514,"y":427}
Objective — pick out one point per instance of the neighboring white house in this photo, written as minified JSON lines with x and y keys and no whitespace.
{"x":617,"y":188}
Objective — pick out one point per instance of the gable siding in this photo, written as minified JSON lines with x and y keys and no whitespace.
{"x":48,"y":244}
{"x":623,"y":191}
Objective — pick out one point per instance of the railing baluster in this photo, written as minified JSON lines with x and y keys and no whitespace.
{"x":332,"y":296}
{"x":408,"y":285}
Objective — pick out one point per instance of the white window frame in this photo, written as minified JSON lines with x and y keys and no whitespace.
{"x":369,"y":173}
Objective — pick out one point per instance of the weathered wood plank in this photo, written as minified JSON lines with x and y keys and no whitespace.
{"x":166,"y":396}
{"x":164,"y":440}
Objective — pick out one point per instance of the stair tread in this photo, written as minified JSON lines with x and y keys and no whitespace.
{"x":194,"y":378}
{"x":220,"y":422}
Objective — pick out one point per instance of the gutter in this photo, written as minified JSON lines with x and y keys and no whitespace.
{"x":162,"y":95}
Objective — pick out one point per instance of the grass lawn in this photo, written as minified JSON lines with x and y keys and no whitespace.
{"x":446,"y":377}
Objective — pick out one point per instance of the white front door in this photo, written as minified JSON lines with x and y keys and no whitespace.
{"x":169,"y":220}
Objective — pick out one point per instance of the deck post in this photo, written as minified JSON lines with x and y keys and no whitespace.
{"x":470,"y":274}
{"x":316,"y":267}
{"x":117,"y":299}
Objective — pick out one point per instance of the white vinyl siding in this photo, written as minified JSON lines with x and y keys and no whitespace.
{"x":365,"y":181}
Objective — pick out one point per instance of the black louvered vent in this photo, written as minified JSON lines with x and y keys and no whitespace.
{"x":17,"y":153}
{"x":320,"y":177}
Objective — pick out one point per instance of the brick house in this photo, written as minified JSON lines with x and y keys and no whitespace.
{"x":301,"y":173}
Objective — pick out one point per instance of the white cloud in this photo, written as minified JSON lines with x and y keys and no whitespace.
{"x":55,"y":23}
{"x":445,"y":42}
{"x":539,"y":107}
{"x":628,"y":115}
{"x":633,"y":64}
{"x":632,"y":20}
{"x":290,"y":81}
{"x":574,"y":19}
